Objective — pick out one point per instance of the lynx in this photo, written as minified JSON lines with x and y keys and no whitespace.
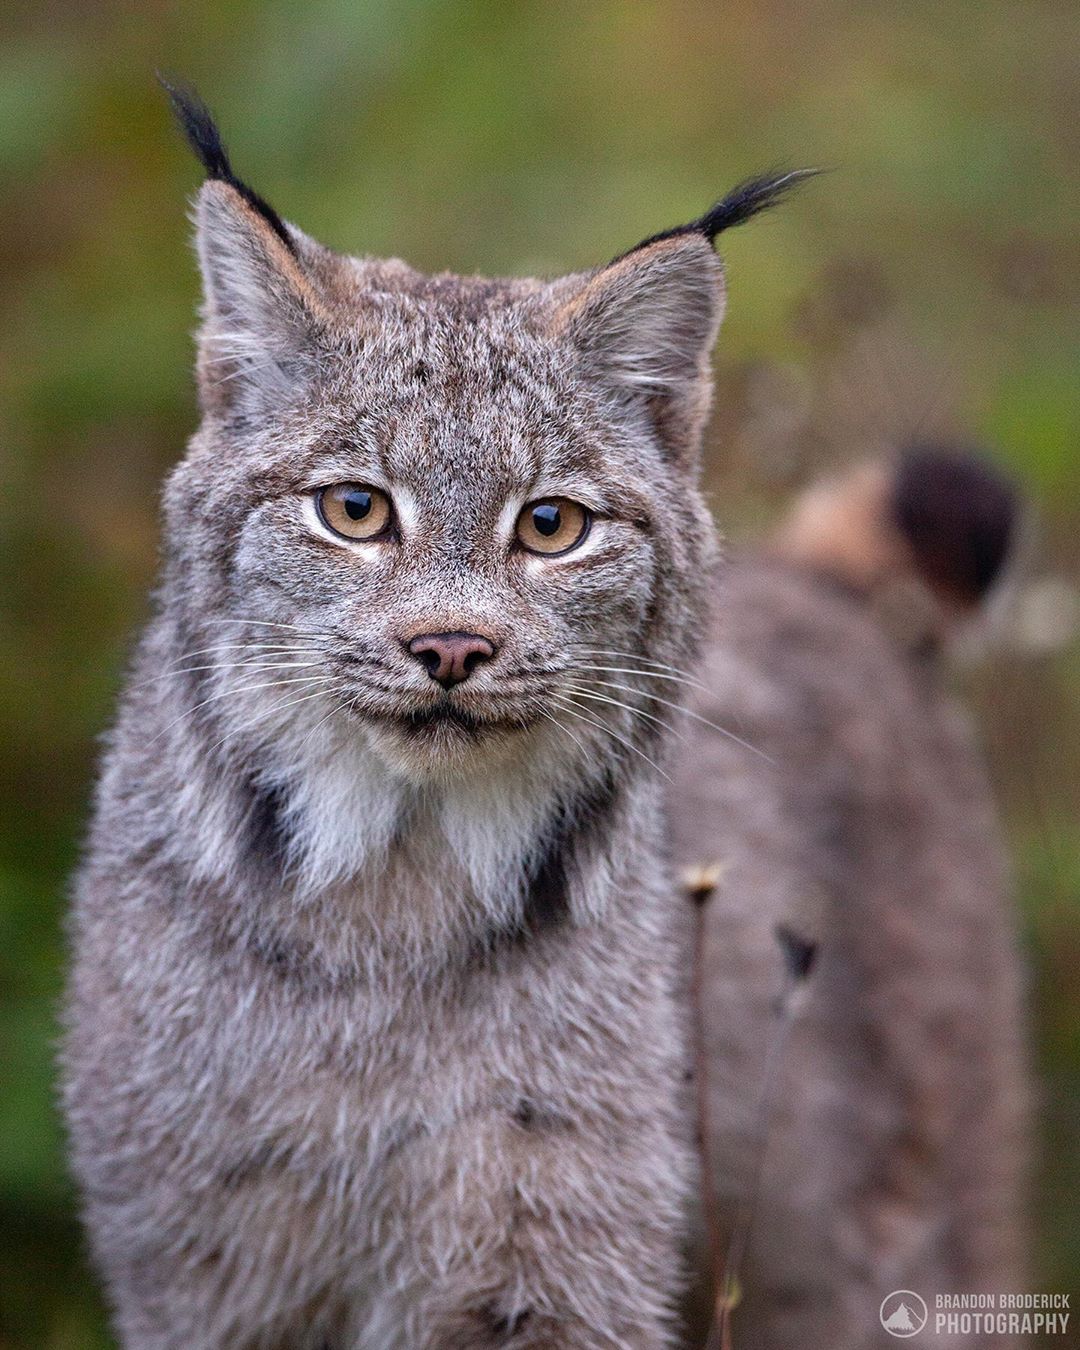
{"x":373,"y":1030}
{"x":378,"y":1032}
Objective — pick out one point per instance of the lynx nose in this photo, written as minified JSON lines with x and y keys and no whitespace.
{"x":450,"y":658}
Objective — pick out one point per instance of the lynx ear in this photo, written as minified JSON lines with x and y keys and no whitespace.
{"x":261,"y":315}
{"x":649,"y":319}
{"x":647,"y":323}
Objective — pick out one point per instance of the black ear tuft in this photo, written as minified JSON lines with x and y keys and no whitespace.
{"x":748,"y":199}
{"x":959,"y":515}
{"x":197,"y":123}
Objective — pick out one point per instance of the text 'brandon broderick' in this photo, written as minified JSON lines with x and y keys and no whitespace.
{"x":1001,"y":1314}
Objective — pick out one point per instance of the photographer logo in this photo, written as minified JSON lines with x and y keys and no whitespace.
{"x":903,"y":1313}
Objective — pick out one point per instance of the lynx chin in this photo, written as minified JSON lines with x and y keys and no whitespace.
{"x":375,"y":1028}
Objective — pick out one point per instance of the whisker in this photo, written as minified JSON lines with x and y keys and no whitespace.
{"x":637,"y":656}
{"x":323,"y":720}
{"x":584,"y":692}
{"x":264,"y":715}
{"x":271,"y":623}
{"x":695,"y":683}
{"x":649,"y":674}
{"x":643,"y":660}
{"x":697,"y":717}
{"x":600,"y":726}
{"x":271,"y":647}
{"x":227,"y":665}
{"x":240,"y":689}
{"x":556,"y":723}
{"x":244,"y":369}
{"x":575,"y":711}
{"x":565,"y":706}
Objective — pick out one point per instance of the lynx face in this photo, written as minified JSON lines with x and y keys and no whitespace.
{"x":453,"y":502}
{"x":441,"y":500}
{"x":403,"y":521}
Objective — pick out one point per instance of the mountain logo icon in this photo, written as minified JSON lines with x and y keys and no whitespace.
{"x":903,"y":1313}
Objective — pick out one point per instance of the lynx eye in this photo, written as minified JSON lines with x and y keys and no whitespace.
{"x":354,"y":510}
{"x":553,"y":525}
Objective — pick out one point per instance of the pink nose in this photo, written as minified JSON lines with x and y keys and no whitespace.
{"x":450,"y":658}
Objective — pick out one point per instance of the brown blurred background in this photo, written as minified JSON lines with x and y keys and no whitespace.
{"x":928,"y":285}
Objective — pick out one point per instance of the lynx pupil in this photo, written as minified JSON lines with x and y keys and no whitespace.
{"x":357,"y":504}
{"x":547,"y":519}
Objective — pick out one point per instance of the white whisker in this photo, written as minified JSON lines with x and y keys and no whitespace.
{"x":269,"y":648}
{"x":240,"y":689}
{"x":634,"y":656}
{"x":566,"y":730}
{"x":575,"y":711}
{"x":323,"y":720}
{"x":649,"y":674}
{"x":266,"y":713}
{"x":689,"y":712}
{"x":228,"y":665}
{"x":585,"y":692}
{"x":271,"y":623}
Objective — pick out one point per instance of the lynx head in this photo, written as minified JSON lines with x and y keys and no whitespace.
{"x":455,"y":503}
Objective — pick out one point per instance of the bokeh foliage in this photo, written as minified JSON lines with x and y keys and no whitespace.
{"x":927,"y":284}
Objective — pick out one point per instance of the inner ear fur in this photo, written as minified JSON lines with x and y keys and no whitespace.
{"x":261,"y":311}
{"x":647,"y":324}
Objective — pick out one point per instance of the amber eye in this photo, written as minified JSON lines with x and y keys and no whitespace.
{"x":353,"y":510}
{"x":554,"y":525}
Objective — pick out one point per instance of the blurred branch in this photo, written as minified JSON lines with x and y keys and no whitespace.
{"x":799,"y":956}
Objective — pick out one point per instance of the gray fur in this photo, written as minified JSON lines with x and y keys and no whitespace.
{"x":372,"y":1030}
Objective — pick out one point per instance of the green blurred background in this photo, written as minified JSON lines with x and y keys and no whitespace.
{"x":927,"y":284}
